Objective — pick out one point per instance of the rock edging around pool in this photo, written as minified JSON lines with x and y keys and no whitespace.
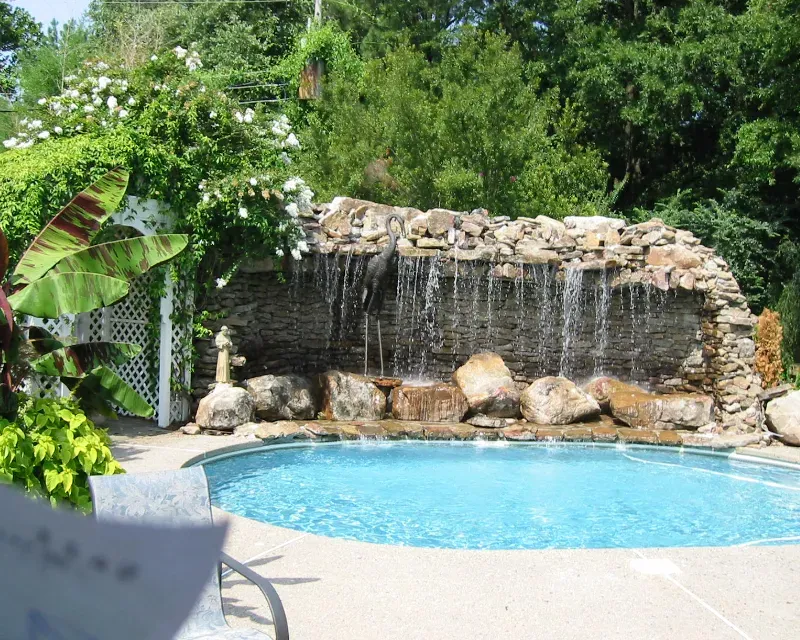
{"x":600,"y":431}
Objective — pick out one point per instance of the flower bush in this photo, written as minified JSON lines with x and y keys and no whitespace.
{"x":51,"y":449}
{"x":225,"y":170}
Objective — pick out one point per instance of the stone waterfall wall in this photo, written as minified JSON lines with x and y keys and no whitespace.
{"x":644,"y":303}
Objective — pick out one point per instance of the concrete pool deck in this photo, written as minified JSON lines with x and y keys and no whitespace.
{"x":339,"y":589}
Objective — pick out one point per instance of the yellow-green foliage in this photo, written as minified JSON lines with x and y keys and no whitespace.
{"x":51,"y":449}
{"x":769,"y":362}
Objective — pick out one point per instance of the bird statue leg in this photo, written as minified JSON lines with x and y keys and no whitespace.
{"x":366,"y":340}
{"x":380,"y":346}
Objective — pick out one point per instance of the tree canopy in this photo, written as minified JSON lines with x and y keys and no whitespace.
{"x":686,"y":109}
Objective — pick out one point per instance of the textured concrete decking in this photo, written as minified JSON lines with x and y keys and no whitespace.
{"x":338,"y":589}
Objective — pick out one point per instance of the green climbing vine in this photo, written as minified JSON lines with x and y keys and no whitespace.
{"x":224,"y":172}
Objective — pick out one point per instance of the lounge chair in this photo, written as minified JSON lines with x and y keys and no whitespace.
{"x":181,"y":497}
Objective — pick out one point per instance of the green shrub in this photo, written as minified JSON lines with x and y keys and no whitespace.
{"x":52,"y":448}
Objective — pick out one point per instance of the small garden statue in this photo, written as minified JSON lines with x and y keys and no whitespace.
{"x":224,"y":344}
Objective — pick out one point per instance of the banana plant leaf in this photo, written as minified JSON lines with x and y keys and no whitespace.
{"x":73,"y":228}
{"x":42,"y":340}
{"x":104,"y":384}
{"x":124,"y":259}
{"x":89,"y":398}
{"x":77,"y":360}
{"x":56,"y":295}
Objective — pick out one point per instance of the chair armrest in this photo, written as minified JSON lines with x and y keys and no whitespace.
{"x":273,"y":600}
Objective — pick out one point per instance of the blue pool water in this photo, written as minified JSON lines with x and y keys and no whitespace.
{"x":510,"y":497}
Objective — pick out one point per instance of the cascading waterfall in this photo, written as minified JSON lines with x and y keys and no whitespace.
{"x":441,"y":316}
{"x":572,"y":311}
{"x":602,"y":309}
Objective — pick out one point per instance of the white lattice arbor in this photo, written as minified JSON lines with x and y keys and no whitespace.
{"x":127,"y":321}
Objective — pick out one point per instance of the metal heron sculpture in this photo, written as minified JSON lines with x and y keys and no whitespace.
{"x":374,"y":284}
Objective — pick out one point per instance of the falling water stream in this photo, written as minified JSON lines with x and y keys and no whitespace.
{"x":558,"y":325}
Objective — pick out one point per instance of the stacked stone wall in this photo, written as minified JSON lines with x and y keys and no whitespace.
{"x":645,"y":303}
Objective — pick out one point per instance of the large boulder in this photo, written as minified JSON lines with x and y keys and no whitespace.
{"x":553,"y":400}
{"x":430,"y":403}
{"x":488,"y":386}
{"x":783,"y":417}
{"x":642,"y":410}
{"x":601,"y":389}
{"x":349,"y":396}
{"x":225,"y":408}
{"x":282,"y":397}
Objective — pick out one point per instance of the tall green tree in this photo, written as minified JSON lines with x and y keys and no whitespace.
{"x":471,"y":130}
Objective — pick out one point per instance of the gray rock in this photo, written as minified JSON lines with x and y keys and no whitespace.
{"x":595,"y":224}
{"x":282,"y":397}
{"x":225,"y":408}
{"x":553,"y":400}
{"x":487,"y":383}
{"x":190,"y":429}
{"x":486,"y":422}
{"x":349,"y":396}
{"x":783,"y":417}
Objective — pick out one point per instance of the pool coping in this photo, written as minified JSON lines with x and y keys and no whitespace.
{"x":241,"y":448}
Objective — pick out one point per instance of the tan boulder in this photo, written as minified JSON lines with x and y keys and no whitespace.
{"x":601,"y":388}
{"x":488,"y":386}
{"x":643,"y":410}
{"x":349,"y":396}
{"x":225,"y":408}
{"x":430,"y":403}
{"x":555,"y":400}
{"x":440,"y":221}
{"x":674,"y":255}
{"x":783,"y":417}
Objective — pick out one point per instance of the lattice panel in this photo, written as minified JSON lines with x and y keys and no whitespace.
{"x":126,"y":321}
{"x":179,"y":403}
{"x":42,"y":386}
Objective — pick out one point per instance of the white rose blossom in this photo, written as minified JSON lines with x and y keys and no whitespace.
{"x":41,"y":101}
{"x":123,"y":113}
{"x":131,"y":101}
{"x":10,"y":143}
{"x":279,"y":253}
{"x":253,"y":182}
{"x":153,"y":58}
{"x":58,"y":130}
{"x":292,"y":209}
{"x":296,"y":254}
{"x":221,"y":282}
{"x":292,"y":141}
{"x":180,"y":52}
{"x":88,"y":108}
{"x":243,"y":212}
{"x":44,"y":135}
{"x":97,"y":102}
{"x":102,"y":82}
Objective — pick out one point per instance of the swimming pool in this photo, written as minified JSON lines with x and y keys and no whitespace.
{"x":511,"y":497}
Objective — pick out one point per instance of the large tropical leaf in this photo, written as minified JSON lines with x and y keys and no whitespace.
{"x":42,"y":340}
{"x":73,"y":227}
{"x":124,"y":259}
{"x":55,"y":295}
{"x":104,"y":384}
{"x":79,"y":359}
